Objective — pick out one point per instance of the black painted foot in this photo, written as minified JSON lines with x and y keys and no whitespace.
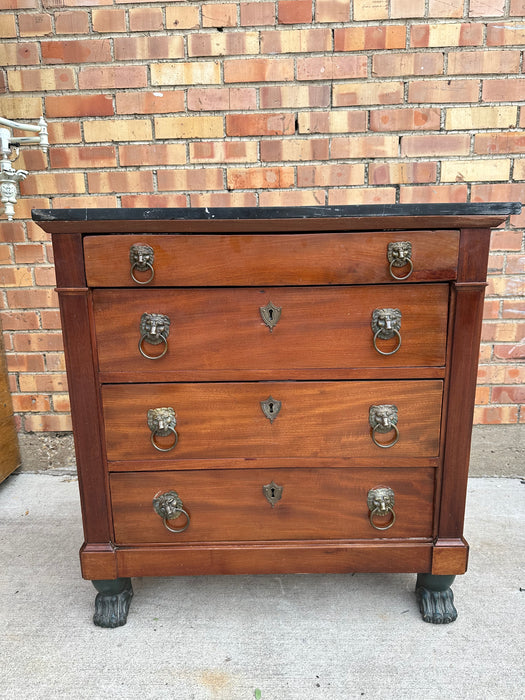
{"x":112,"y":602}
{"x":435,"y":598}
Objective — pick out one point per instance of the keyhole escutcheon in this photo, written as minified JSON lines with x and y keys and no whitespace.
{"x":270,"y":314}
{"x":272,"y":492}
{"x":270,"y":407}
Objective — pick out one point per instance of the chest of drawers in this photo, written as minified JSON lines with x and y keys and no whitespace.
{"x":272,"y":390}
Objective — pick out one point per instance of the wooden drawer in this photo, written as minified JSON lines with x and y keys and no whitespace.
{"x":269,"y":259}
{"x":225,"y":420}
{"x":228,"y":505}
{"x":215,"y":333}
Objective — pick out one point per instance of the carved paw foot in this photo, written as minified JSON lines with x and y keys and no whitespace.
{"x":112,"y":602}
{"x":436,"y":606}
{"x":435,"y":598}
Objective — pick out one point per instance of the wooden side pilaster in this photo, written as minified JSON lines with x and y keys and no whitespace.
{"x":469,"y":292}
{"x":75,"y":305}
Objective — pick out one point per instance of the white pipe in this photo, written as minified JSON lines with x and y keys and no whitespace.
{"x":19,"y":125}
{"x":18,"y":140}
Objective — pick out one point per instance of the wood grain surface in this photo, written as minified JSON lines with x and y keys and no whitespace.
{"x":298,"y":556}
{"x":226,"y":505}
{"x":9,"y":449}
{"x":325,"y":419}
{"x":266,"y":259}
{"x":221,"y":331}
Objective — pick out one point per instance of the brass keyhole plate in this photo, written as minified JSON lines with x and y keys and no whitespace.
{"x":270,"y":314}
{"x":270,"y":407}
{"x":272,"y":492}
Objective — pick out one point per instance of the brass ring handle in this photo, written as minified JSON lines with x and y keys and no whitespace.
{"x":170,"y":507}
{"x":144,"y":265}
{"x":377,"y":510}
{"x":154,"y":433}
{"x":381,"y":352}
{"x":153,"y":357}
{"x":408,"y":262}
{"x":394,"y":427}
{"x":186,"y":524}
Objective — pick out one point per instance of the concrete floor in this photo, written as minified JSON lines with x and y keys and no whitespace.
{"x":331,"y":637}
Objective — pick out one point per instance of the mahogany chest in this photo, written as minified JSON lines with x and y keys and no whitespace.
{"x":272,"y":390}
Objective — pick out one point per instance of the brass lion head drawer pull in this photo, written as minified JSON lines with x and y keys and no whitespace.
{"x":386,"y":323}
{"x":382,"y":420}
{"x":169,"y":506}
{"x":399,"y":254}
{"x":154,"y":330}
{"x":141,"y":257}
{"x":380,"y":503}
{"x":162,"y":422}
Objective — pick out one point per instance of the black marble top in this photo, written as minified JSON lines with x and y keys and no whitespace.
{"x":259,"y":213}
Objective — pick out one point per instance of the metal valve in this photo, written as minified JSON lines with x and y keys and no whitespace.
{"x":9,"y":148}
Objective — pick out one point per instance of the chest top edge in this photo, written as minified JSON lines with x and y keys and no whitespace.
{"x":275,"y":219}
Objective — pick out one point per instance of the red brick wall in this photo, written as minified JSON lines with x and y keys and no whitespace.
{"x":261,"y":103}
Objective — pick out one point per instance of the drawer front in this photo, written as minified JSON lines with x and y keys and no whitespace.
{"x":233,"y":330}
{"x":227,"y":505}
{"x":302,"y":419}
{"x":268,"y":259}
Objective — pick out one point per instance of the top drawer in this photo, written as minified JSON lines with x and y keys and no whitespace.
{"x":271,"y":259}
